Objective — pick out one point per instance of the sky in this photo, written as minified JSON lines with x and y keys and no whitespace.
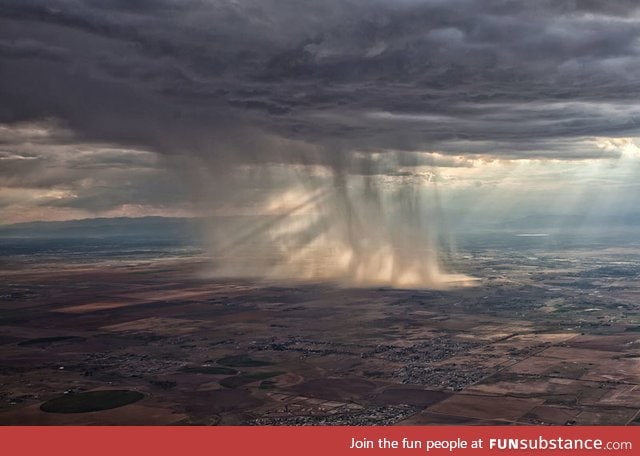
{"x":494,"y":108}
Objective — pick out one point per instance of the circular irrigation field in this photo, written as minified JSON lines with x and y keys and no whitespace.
{"x":91,"y":401}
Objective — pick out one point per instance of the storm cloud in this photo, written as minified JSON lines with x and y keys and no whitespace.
{"x":218,"y":78}
{"x":339,"y":120}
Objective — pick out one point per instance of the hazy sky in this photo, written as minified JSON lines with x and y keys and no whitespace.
{"x":137,"y":107}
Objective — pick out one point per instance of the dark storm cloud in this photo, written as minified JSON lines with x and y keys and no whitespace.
{"x":227,"y":79}
{"x":27,"y":49}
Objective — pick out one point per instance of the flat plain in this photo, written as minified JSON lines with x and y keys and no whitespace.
{"x":543,"y":338}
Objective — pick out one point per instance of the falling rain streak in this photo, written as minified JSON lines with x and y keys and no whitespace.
{"x":354,"y":229}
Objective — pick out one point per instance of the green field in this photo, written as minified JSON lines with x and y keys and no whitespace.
{"x":50,"y":340}
{"x":91,"y":401}
{"x":243,"y":361}
{"x":212,"y":370}
{"x":244,"y":379}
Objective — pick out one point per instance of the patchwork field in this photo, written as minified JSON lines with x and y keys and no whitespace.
{"x":155,"y":343}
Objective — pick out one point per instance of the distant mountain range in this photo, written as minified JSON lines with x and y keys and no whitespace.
{"x":559,"y":221}
{"x":163,"y":227}
{"x":174,"y":227}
